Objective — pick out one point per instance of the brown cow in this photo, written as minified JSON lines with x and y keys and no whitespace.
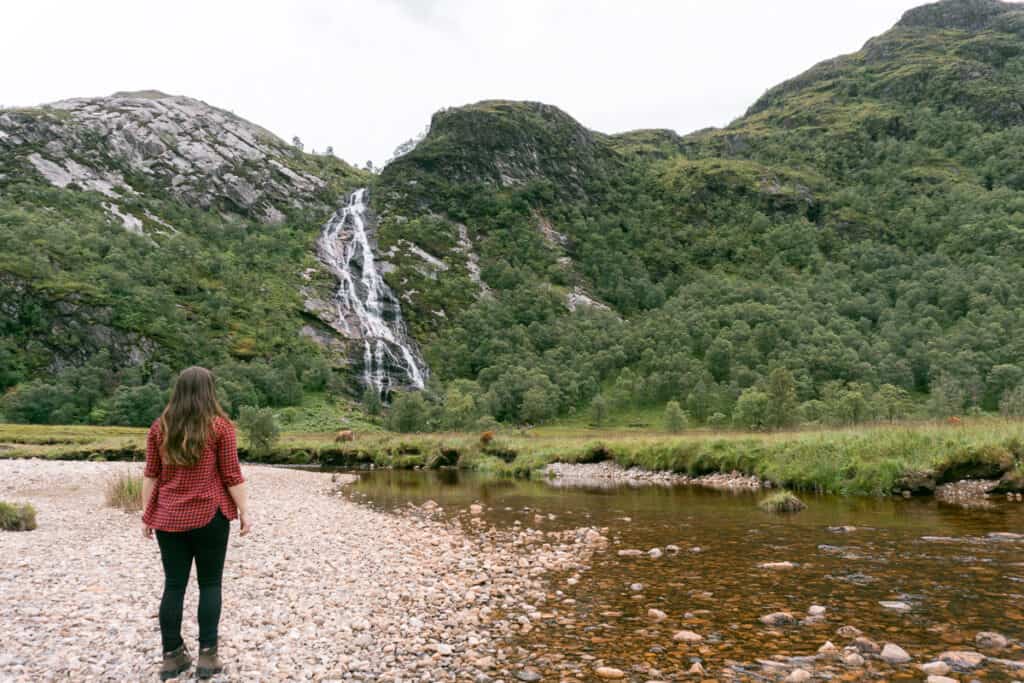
{"x":345,"y":435}
{"x":955,"y":421}
{"x":486,"y":438}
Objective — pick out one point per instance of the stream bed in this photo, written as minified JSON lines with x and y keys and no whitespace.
{"x":944,"y":573}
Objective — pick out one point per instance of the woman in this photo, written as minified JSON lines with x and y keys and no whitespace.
{"x":192,"y":487}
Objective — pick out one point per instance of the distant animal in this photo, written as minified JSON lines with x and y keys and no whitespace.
{"x":954,"y":420}
{"x":344,"y":435}
{"x":486,"y":438}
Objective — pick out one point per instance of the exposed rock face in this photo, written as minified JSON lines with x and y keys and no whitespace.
{"x":964,"y":15}
{"x":132,"y":142}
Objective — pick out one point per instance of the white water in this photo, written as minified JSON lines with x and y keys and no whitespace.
{"x":367,"y":309}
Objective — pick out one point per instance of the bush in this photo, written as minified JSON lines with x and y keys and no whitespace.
{"x":125,"y":491}
{"x":675,"y":418}
{"x":782,"y":501}
{"x":259,"y":428}
{"x":17,"y":517}
{"x":408,"y":413}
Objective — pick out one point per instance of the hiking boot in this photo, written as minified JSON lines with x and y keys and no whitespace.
{"x":175,"y":662}
{"x":209,"y":663}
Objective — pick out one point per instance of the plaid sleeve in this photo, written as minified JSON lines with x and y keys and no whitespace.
{"x":153,"y":453}
{"x":227,"y":456}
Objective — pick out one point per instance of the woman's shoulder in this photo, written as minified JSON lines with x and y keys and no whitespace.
{"x":155,"y":429}
{"x":223,"y":425}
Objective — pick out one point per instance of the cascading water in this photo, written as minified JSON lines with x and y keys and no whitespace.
{"x":367,"y":309}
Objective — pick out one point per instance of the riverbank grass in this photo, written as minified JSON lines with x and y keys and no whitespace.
{"x":866,"y":460}
{"x":781,"y":502}
{"x":17,"y":517}
{"x":124,"y":491}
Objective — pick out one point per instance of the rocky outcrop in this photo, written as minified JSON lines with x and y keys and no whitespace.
{"x":150,"y":142}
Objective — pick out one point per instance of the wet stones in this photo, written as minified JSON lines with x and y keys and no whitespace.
{"x":895,"y":605}
{"x":816,"y":611}
{"x":688,"y":637}
{"x":778,"y":619}
{"x":989,"y":640}
{"x":938,"y":668}
{"x":894,"y":654}
{"x":656,"y":614}
{"x":962,"y":660}
{"x":848,"y":631}
{"x":866,"y":645}
{"x":777,"y":565}
{"x":798,"y":676}
{"x":609,"y":672}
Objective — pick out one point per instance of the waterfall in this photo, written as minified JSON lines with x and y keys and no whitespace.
{"x":367,"y":309}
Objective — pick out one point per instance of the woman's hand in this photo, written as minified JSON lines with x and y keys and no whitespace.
{"x":245,"y":520}
{"x":147,"y":531}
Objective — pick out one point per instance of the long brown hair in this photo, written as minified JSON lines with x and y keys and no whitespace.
{"x":187,"y":421}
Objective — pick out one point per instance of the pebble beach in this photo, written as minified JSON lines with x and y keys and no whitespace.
{"x":323,"y":588}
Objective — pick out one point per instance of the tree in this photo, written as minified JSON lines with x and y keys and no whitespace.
{"x":947,"y":397}
{"x":752,"y":409}
{"x":719,"y":359}
{"x":675,"y":418}
{"x":371,"y":401}
{"x":598,"y":411}
{"x":459,"y":410}
{"x":538,"y":405}
{"x":135,"y":406}
{"x":698,"y":402}
{"x":408,"y":413}
{"x":297,"y":143}
{"x":260,"y":429}
{"x":781,"y":390}
{"x":1012,"y":403}
{"x":893,"y":402}
{"x":329,"y":151}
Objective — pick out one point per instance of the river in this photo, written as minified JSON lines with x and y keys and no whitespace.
{"x":849,"y":554}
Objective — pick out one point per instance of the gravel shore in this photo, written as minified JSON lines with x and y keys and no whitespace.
{"x":323,"y":589}
{"x":608,"y":474}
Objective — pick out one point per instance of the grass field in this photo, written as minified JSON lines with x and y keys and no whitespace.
{"x":877,"y":459}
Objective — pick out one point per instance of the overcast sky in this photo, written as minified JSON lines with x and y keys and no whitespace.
{"x":363,"y":76}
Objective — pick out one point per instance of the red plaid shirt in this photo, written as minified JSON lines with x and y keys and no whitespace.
{"x":188,"y":497}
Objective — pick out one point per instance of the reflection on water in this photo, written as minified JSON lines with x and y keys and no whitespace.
{"x":936,"y":558}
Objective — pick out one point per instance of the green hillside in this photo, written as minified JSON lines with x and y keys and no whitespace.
{"x":849,"y":249}
{"x":860,"y":226}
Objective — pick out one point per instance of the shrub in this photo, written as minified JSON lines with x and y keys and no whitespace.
{"x":259,"y":428}
{"x":17,"y":517}
{"x":675,"y":418}
{"x":125,"y":491}
{"x":782,"y":501}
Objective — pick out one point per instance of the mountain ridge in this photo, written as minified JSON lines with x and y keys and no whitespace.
{"x":856,"y":228}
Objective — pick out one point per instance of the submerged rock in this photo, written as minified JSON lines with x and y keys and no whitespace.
{"x":687,"y":637}
{"x":938,"y":668}
{"x":894,"y":654}
{"x":895,"y":605}
{"x":962,"y":660}
{"x":990,"y":640}
{"x":778,"y":619}
{"x":609,"y":672}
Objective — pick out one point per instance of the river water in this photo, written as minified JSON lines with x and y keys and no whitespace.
{"x":939,"y":559}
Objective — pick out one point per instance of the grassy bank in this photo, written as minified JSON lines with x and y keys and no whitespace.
{"x":865,"y":460}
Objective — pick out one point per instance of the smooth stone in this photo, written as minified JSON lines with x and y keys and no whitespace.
{"x":866,"y":645}
{"x":936,"y":668}
{"x":894,"y":654}
{"x":895,"y":605}
{"x":476,"y":509}
{"x":696,"y":669}
{"x":828,"y":649}
{"x":656,"y":614}
{"x":798,"y":676}
{"x":528,"y":676}
{"x":848,"y":631}
{"x":962,"y":659}
{"x":940,"y":679}
{"x":817,"y":611}
{"x":853,"y":659}
{"x":609,"y":672}
{"x":655,"y":553}
{"x":631,"y":552}
{"x":990,"y":640}
{"x":687,"y":637}
{"x":776,"y":565}
{"x":778,"y":619}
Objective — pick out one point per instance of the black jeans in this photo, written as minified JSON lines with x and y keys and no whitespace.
{"x":207,"y":545}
